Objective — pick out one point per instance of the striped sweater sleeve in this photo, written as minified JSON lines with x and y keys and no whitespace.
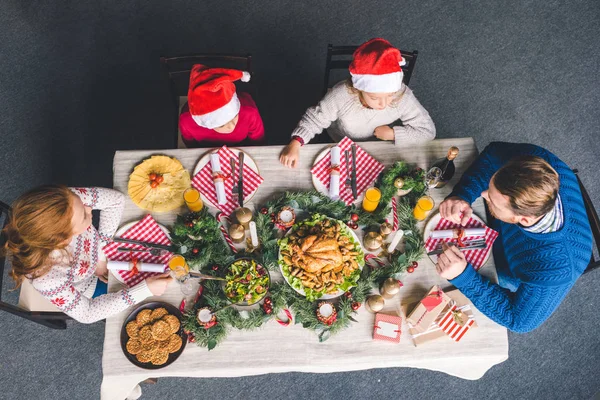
{"x":57,"y":286}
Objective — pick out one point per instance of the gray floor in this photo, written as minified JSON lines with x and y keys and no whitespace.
{"x":79,"y":81}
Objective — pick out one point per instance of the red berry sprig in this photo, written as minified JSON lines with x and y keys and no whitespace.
{"x":264,"y":211}
{"x":195,"y":251}
{"x":354,"y":217}
{"x":355,"y":306}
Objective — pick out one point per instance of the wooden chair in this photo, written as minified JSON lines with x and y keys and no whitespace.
{"x":32,"y":305}
{"x":177,"y":71}
{"x":594,"y":222}
{"x":340,"y":57}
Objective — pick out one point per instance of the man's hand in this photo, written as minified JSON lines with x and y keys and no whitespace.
{"x":451,"y":263}
{"x":456,"y":210}
{"x":384,"y":132}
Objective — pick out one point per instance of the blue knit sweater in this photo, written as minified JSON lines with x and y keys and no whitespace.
{"x":543,"y":267}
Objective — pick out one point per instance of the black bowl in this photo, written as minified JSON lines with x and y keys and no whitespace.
{"x":245,"y":303}
{"x":131,"y":317}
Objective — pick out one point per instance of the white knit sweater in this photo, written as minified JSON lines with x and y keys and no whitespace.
{"x":71,"y":281}
{"x":342,"y":114}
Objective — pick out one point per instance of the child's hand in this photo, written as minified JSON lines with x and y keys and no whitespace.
{"x":290,"y":155}
{"x":384,"y":132}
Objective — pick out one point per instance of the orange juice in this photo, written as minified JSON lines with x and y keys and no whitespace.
{"x":371,"y":200}
{"x":179,"y":267}
{"x":424,"y":205}
{"x":193,"y":200}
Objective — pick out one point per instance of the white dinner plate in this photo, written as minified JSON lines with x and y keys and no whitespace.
{"x":205,"y":159}
{"x":325,"y":296}
{"x":434,"y":220}
{"x":124,"y":229}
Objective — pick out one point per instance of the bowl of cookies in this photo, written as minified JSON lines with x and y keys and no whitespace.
{"x":152,"y":336}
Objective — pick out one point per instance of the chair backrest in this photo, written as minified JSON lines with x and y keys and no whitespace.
{"x":594,"y":222}
{"x":340,"y":57}
{"x":177,"y":71}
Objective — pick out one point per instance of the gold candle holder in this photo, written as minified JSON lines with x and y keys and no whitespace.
{"x":374,"y":303}
{"x":237,"y":232}
{"x":389,"y":288}
{"x":385,"y":229}
{"x":243,"y":216}
{"x":373,"y":241}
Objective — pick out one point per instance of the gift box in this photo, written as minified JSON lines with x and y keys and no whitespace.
{"x":434,"y":331}
{"x":428,"y":309}
{"x":456,"y":322}
{"x":387,"y":327}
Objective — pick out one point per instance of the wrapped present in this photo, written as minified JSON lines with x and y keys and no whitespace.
{"x":428,"y":309}
{"x":387,"y":327}
{"x":456,"y":322}
{"x":434,"y":331}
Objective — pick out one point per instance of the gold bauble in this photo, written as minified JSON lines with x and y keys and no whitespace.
{"x":373,"y":241}
{"x":374,"y":303}
{"x":390,"y":287}
{"x":398,"y":183}
{"x":385,"y":229}
{"x":243,"y":216}
{"x":236,"y":231}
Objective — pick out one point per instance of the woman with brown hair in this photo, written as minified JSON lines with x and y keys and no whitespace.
{"x":51,"y":241}
{"x":366,"y":106}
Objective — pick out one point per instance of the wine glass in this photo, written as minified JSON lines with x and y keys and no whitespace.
{"x":182,"y":275}
{"x":432,"y":177}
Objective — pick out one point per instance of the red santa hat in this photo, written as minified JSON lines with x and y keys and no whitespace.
{"x":211,"y":96}
{"x":377,"y":67}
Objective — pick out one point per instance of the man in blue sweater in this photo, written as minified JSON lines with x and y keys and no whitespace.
{"x":544,"y":241}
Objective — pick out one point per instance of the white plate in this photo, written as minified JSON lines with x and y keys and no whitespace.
{"x":205,"y":159}
{"x":434,"y":220}
{"x":124,"y":229}
{"x":325,"y":296}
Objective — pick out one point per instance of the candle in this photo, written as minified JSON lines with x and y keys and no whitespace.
{"x":395,"y":241}
{"x":253,"y":234}
{"x":243,"y":216}
{"x":236,"y":231}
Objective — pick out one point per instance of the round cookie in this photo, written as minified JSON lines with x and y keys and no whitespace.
{"x":145,"y":334}
{"x":144,"y":357}
{"x":133,"y":346}
{"x":161,"y":330}
{"x":175,"y":343}
{"x":143,"y":317}
{"x":160,"y":357}
{"x":150,"y":346}
{"x":173,"y":322}
{"x":158,"y":314}
{"x":132,"y":329}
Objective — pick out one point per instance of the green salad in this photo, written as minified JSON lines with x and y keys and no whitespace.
{"x":246,"y":281}
{"x":320,"y":256}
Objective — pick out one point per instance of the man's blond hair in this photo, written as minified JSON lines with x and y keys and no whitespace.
{"x":530,"y":183}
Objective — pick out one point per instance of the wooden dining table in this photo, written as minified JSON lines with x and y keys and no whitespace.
{"x":276,"y":349}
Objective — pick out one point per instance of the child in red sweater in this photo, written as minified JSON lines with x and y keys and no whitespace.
{"x":215,"y":115}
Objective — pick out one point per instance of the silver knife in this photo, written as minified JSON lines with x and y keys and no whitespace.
{"x":234,"y":188}
{"x":347,"y":154}
{"x":353,"y":176}
{"x":440,"y":251}
{"x":241,"y":179}
{"x":145,"y":244}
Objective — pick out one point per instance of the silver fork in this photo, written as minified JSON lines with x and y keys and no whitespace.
{"x":235,"y":190}
{"x":348,"y":180}
{"x":153,"y":252}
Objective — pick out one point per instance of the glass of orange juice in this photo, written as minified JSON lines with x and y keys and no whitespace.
{"x":193,"y":200}
{"x":371,"y":200}
{"x":422,"y":208}
{"x":180,"y":271}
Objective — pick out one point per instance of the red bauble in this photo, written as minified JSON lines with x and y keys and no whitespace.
{"x":354,"y":225}
{"x":190,"y":224}
{"x":348,"y":295}
{"x":354,"y":217}
{"x":349,"y":224}
{"x":410,"y":270}
{"x":191,"y":339}
{"x":264,"y":211}
{"x":355,"y":305}
{"x":414,"y":264}
{"x":195,"y":251}
{"x":273,"y":215}
{"x":215,"y":267}
{"x":268,"y":300}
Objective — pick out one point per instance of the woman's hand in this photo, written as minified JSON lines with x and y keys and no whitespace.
{"x":290,"y":155}
{"x":158,"y":283}
{"x":102,"y":271}
{"x":384,"y":132}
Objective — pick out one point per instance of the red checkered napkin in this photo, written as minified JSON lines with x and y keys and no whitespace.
{"x":475,"y":257}
{"x":367,"y":170}
{"x":203,"y":181}
{"x":147,"y":230}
